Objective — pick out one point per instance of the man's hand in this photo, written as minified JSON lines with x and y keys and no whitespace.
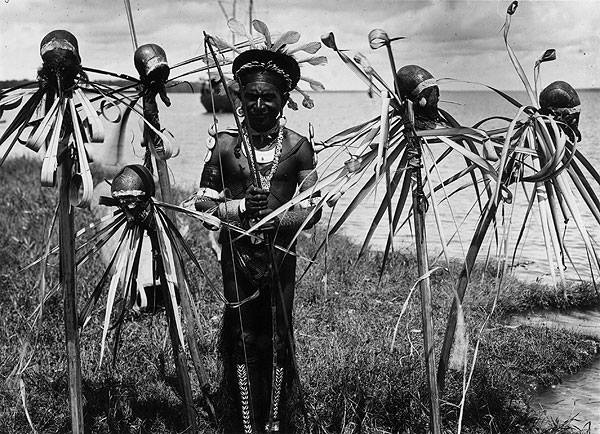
{"x":256,"y":202}
{"x":272,"y":225}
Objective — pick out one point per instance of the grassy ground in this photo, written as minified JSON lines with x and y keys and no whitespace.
{"x":352,"y":381}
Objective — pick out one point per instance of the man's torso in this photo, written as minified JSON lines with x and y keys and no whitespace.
{"x":236,"y":173}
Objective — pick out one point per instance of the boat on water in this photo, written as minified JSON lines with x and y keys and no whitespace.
{"x":212,"y":90}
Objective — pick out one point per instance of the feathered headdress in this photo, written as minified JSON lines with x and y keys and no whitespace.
{"x":282,"y":57}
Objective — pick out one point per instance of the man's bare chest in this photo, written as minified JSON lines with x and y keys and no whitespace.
{"x":282,"y":168}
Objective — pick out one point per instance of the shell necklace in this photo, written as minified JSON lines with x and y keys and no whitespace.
{"x":265,"y":157}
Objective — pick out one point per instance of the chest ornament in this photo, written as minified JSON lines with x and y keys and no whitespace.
{"x":271,"y":153}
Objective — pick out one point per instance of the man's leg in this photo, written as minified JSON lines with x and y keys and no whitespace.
{"x":247,"y":338}
{"x":282,"y":378}
{"x":238,"y":344}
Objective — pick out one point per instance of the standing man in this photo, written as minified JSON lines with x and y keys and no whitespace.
{"x":258,"y":279}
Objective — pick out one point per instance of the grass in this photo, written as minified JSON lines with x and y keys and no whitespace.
{"x":351,"y":379}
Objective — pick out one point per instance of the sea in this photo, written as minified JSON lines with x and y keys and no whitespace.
{"x":188,"y":122}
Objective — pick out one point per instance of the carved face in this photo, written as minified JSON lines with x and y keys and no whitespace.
{"x":427,"y":102}
{"x":133,"y":188}
{"x":136,"y":208}
{"x":60,"y":54}
{"x":263,"y":104}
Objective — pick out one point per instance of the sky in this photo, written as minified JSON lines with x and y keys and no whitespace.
{"x":458,"y":39}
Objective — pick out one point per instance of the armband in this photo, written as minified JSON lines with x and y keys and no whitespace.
{"x":207,"y":193}
{"x":293,"y":219}
{"x":206,"y":199}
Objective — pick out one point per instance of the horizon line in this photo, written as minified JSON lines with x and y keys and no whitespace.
{"x":466,"y":89}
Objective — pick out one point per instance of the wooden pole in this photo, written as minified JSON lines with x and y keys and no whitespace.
{"x":150,"y":110}
{"x":233,"y":15}
{"x":245,"y":139}
{"x":250,"y":7}
{"x":419,"y":209}
{"x":67,"y":279}
{"x":151,"y":114}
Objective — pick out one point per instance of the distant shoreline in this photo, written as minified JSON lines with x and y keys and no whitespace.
{"x":195,"y":87}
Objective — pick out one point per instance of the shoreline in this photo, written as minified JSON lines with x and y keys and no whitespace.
{"x":195,"y":86}
{"x":350,"y":375}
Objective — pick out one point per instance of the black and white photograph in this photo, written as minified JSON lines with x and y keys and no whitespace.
{"x":321,"y":217}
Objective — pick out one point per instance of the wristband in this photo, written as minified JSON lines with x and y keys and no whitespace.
{"x":229,"y":211}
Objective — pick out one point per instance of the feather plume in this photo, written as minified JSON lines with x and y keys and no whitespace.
{"x":292,"y":105}
{"x":314,"y":84}
{"x":309,"y":47}
{"x":315,"y":61}
{"x":289,"y":37}
{"x":262,"y":28}
{"x":238,"y":28}
{"x":221,"y":44}
{"x":307,"y":100}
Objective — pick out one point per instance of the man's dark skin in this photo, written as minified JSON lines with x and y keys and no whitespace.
{"x":264,"y":104}
{"x":248,"y":268}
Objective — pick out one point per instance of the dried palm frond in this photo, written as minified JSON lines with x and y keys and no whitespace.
{"x":134,"y":225}
{"x":378,"y":155}
{"x":64,"y":98}
{"x":539,"y":153}
{"x":68,"y":114}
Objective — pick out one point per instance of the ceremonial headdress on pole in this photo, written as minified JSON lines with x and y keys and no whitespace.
{"x":151,"y":63}
{"x":413,"y":81}
{"x":561,"y":100}
{"x":133,"y":180}
{"x":277,"y":58}
{"x":560,"y":95}
{"x":69,"y":117}
{"x":59,"y":42}
{"x":418,"y":85}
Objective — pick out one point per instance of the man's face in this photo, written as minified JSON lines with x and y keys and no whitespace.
{"x":263,"y":103}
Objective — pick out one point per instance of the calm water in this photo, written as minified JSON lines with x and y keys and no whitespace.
{"x":577,"y":397}
{"x":188,"y":122}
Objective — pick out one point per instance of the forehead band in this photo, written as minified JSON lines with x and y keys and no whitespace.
{"x":430,"y":82}
{"x":566,"y":110}
{"x":121,"y":193}
{"x":267,"y":67}
{"x":57,"y":43}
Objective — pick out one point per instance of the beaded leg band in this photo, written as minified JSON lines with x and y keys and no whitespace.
{"x":277,"y":385}
{"x":243,"y":383}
